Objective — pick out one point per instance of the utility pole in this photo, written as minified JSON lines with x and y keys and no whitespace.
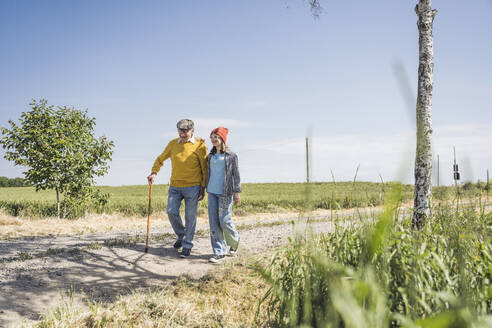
{"x":456,"y":174}
{"x":307,"y":159}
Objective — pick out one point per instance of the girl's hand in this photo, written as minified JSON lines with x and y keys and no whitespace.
{"x":201,"y":194}
{"x":236,"y":197}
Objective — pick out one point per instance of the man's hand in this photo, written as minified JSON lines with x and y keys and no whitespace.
{"x":236,"y":197}
{"x":201,"y":194}
{"x":151,"y":178}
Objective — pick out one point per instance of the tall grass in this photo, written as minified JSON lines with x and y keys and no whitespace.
{"x":384,"y":273}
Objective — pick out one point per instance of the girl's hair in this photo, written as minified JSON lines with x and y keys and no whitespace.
{"x":222,"y":148}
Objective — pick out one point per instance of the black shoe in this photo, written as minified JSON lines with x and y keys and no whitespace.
{"x":178,"y":244}
{"x":216,"y":258}
{"x":185,"y":252}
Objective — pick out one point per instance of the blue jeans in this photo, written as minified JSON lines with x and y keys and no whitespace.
{"x":222,"y":229}
{"x":175,"y":196}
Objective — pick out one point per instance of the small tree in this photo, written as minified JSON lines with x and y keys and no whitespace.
{"x":60,"y":151}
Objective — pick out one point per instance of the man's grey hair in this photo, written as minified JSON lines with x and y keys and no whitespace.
{"x":185,"y":124}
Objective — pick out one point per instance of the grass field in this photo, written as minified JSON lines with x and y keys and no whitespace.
{"x":255,"y":198}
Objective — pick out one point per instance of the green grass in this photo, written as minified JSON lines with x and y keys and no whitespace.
{"x":94,"y":246}
{"x":255,"y":198}
{"x":24,"y":256}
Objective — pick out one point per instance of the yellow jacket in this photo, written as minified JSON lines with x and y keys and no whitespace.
{"x":188,"y":161}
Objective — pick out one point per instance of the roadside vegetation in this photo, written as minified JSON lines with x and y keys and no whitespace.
{"x":387,"y":274}
{"x":378,"y":272}
{"x":25,"y":202}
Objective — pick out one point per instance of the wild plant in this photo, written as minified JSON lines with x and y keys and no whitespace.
{"x":385,"y":273}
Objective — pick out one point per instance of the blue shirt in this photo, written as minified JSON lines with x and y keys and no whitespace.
{"x":217,"y":173}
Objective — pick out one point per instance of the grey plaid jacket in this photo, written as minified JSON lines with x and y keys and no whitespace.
{"x":232,"y":180}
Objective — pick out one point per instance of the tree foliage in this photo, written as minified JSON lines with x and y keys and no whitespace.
{"x":316,"y":8}
{"x":12,"y":182}
{"x":59,"y":150}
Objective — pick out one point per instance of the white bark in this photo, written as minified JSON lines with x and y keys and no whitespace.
{"x":423,"y":158}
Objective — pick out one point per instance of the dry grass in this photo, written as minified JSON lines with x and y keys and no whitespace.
{"x":16,"y":227}
{"x":228,"y":297}
{"x":12,"y":227}
{"x":9,"y":220}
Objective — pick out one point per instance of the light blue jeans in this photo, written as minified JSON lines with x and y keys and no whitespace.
{"x":175,"y":196}
{"x":222,"y":229}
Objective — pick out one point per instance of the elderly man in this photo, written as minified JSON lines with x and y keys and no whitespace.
{"x":189,"y":170}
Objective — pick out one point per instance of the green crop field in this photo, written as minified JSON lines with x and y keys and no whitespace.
{"x":255,"y":198}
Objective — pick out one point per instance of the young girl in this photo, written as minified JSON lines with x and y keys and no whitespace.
{"x":223,"y":187}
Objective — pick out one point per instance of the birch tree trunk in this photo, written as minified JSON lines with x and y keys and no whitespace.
{"x":423,"y":158}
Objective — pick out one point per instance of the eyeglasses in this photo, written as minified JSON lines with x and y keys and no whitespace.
{"x":184,"y":130}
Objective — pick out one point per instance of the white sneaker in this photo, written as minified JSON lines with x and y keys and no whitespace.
{"x":216,"y":258}
{"x":233,"y":251}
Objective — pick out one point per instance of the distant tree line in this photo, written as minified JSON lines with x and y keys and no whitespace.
{"x":14,"y":182}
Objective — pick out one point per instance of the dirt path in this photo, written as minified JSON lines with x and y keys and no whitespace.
{"x":34,"y":272}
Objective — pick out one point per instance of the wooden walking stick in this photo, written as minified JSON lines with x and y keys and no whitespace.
{"x":148,"y":220}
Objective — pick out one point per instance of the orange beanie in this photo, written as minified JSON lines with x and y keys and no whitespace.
{"x":221,"y":132}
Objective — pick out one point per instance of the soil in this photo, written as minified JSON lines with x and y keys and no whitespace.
{"x":36,"y":272}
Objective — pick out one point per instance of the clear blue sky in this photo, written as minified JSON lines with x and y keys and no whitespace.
{"x":267,"y":70}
